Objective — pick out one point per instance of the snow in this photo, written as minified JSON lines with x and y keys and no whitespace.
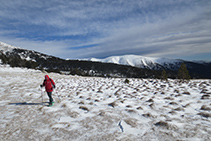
{"x":6,"y":47}
{"x":132,"y":60}
{"x":90,"y":108}
{"x":138,"y":61}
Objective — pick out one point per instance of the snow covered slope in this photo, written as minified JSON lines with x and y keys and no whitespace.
{"x":140,"y":61}
{"x":24,"y":54}
{"x":6,"y":47}
{"x":89,"y":108}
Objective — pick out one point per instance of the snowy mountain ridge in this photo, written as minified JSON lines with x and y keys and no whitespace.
{"x":6,"y":47}
{"x":140,"y":61}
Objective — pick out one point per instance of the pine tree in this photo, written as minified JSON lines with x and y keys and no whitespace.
{"x":3,"y":58}
{"x":164,"y":75}
{"x":127,"y":81}
{"x":183,"y":73}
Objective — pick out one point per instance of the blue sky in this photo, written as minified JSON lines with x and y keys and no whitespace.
{"x":78,"y":29}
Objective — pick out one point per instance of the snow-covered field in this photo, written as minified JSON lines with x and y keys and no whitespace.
{"x":89,"y":108}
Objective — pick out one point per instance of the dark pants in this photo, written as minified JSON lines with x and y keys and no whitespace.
{"x":50,"y":97}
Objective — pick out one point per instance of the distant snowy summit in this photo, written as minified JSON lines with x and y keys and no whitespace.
{"x":142,"y":62}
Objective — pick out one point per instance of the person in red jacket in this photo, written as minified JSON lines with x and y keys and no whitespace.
{"x":49,"y":86}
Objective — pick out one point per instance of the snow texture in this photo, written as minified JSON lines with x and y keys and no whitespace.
{"x":89,"y":108}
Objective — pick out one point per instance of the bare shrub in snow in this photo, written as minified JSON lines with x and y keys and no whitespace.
{"x":89,"y":98}
{"x":178,"y":95}
{"x":204,"y":114}
{"x":77,"y":93}
{"x":91,"y":103}
{"x":186,"y":93}
{"x":186,"y":105}
{"x":206,"y":96}
{"x":117,"y":93}
{"x":161,"y":123}
{"x":100,"y":90}
{"x":139,"y":108}
{"x":173,"y":103}
{"x":148,"y":115}
{"x":150,"y":100}
{"x":152,"y":105}
{"x":179,"y":109}
{"x":204,"y":91}
{"x":84,"y":108}
{"x":173,"y":112}
{"x":81,"y":97}
{"x":131,"y":121}
{"x":96,"y":100}
{"x":41,"y":109}
{"x":102,"y":113}
{"x":166,"y":125}
{"x":205,"y":108}
{"x":169,"y":98}
{"x":176,"y":91}
{"x":162,"y":93}
{"x":113,"y":104}
{"x":203,"y":84}
{"x":64,"y":105}
{"x":81,"y":102}
{"x":128,"y":106}
{"x":73,"y":114}
{"x":131,"y":111}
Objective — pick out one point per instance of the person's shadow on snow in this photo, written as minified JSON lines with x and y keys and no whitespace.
{"x":25,"y":103}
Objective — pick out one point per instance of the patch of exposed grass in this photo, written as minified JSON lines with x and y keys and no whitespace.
{"x":84,"y":108}
{"x":112,"y":104}
{"x":150,"y":100}
{"x":148,"y":115}
{"x":131,"y":111}
{"x":186,"y":93}
{"x":169,"y":98}
{"x":204,"y":114}
{"x":205,"y":108}
{"x":179,"y":109}
{"x":129,"y":106}
{"x":82,"y":103}
{"x":131,"y":121}
{"x":206,"y":96}
{"x":173,"y":103}
{"x":161,"y":123}
{"x":139,"y":108}
{"x":165,"y":125}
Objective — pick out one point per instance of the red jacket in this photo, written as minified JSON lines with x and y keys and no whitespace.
{"x":49,"y":84}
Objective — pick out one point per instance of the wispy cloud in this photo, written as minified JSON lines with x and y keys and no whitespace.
{"x":84,"y":29}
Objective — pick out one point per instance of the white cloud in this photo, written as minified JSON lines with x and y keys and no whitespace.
{"x":145,"y":27}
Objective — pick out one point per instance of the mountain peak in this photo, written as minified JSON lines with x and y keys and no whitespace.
{"x":6,"y":47}
{"x":139,"y":61}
